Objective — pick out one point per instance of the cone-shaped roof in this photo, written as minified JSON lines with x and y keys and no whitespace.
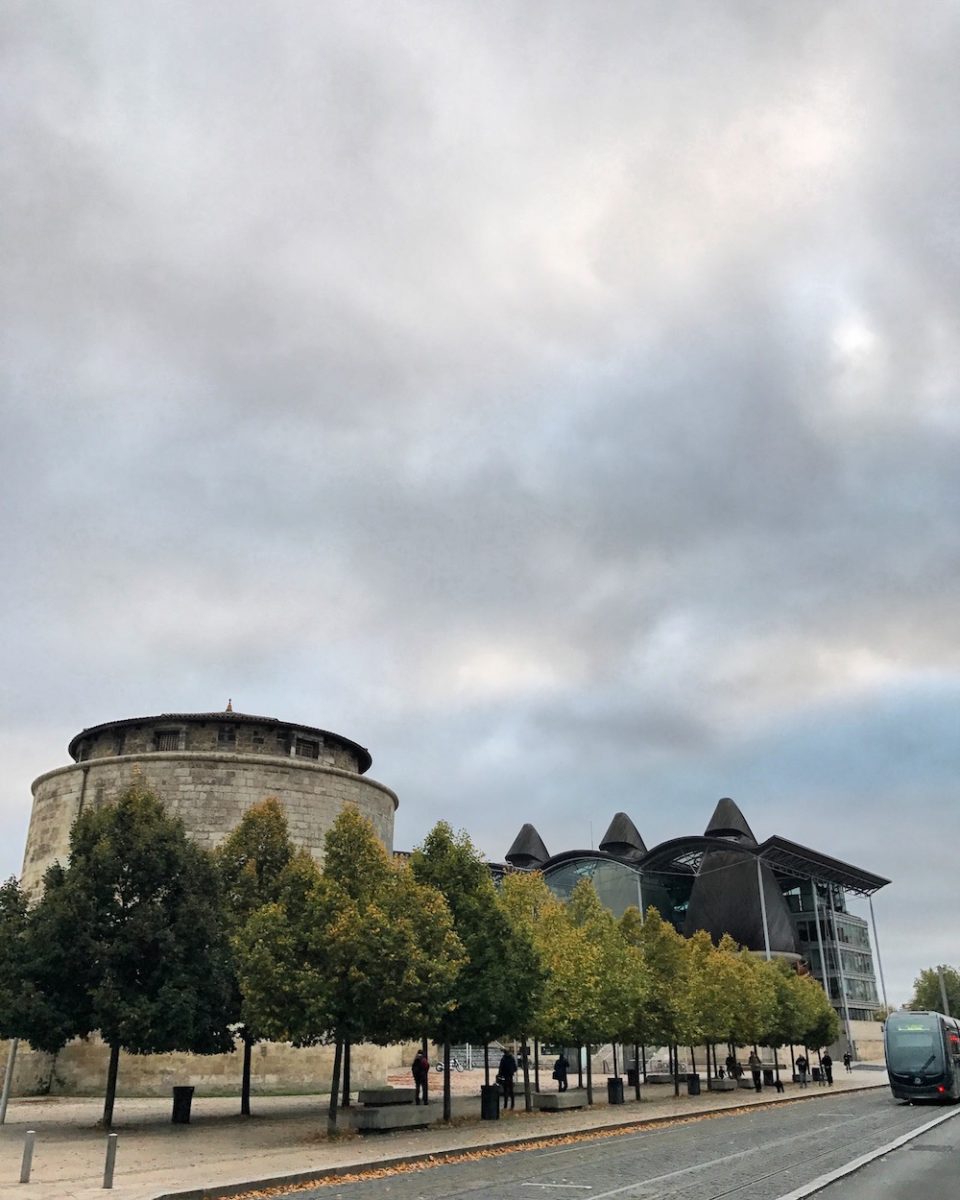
{"x":528,"y":849}
{"x":729,"y":822}
{"x":622,"y":838}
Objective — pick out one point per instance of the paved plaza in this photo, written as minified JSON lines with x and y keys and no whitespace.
{"x":286,"y":1136}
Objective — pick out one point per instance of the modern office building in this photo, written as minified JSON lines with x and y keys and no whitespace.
{"x":774,"y":897}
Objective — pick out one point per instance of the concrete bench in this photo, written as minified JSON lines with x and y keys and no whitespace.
{"x":662,"y":1077}
{"x":555,"y":1101}
{"x":374,"y":1119}
{"x":746,"y":1081}
{"x":722,"y":1085}
{"x":386,"y":1095}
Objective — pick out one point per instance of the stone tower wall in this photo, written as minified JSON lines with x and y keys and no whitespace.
{"x":209,"y":791}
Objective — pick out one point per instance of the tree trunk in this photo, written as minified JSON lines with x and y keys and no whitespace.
{"x":579,"y":1065}
{"x":107,"y":1120}
{"x":536,"y":1064}
{"x":447,"y":1104}
{"x":345,"y":1101}
{"x":676,"y":1069}
{"x":527,"y":1098}
{"x":643,"y":1055}
{"x":636,"y":1069}
{"x":589,"y":1076}
{"x":793,"y":1061}
{"x":335,"y":1089}
{"x":693,"y":1061}
{"x":426,"y":1078}
{"x":486,"y":1063}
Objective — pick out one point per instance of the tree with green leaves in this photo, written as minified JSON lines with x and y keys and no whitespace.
{"x":714,"y":992}
{"x":362,"y":952}
{"x":928,"y":994}
{"x":614,"y":980}
{"x":664,"y":1016}
{"x":128,"y":940}
{"x":496,"y":988}
{"x":13,"y":949}
{"x":251,"y":863}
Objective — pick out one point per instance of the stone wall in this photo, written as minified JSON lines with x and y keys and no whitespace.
{"x":210,"y":792}
{"x":80,"y":1069}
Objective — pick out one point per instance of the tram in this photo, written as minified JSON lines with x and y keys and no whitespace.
{"x":923,"y":1056}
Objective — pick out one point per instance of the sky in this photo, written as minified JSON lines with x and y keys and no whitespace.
{"x":559,"y":399}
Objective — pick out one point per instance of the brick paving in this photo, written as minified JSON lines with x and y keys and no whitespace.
{"x":286,"y":1136}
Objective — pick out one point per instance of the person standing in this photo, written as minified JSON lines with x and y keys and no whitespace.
{"x":755,"y":1069}
{"x":847,"y":1060}
{"x":560,"y":1068}
{"x":827,"y":1064}
{"x":420,"y":1068}
{"x":505,"y":1073}
{"x":802,"y":1067}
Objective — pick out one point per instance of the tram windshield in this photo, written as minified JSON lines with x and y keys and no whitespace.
{"x":914,"y":1045}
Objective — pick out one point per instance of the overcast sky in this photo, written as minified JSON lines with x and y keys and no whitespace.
{"x":560,"y":400}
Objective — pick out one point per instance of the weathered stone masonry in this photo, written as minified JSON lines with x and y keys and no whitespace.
{"x":208,"y":769}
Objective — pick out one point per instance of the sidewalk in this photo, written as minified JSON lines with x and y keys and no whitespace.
{"x":286,"y":1137}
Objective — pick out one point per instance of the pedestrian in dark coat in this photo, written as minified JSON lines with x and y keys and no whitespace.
{"x":560,"y":1068}
{"x":505,"y":1074}
{"x":420,"y":1068}
{"x":827,"y":1063}
{"x":802,"y":1067}
{"x":847,"y":1060}
{"x":755,"y":1068}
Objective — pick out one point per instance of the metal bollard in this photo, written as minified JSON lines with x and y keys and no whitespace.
{"x":110,"y":1161}
{"x":27,"y":1156}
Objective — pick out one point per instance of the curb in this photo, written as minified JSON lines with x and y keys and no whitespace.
{"x":436,"y":1157}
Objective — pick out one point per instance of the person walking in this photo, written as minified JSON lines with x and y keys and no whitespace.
{"x":802,"y":1067}
{"x":505,"y":1073}
{"x":755,"y":1069}
{"x":847,"y":1060}
{"x":560,"y":1068}
{"x":731,"y":1066}
{"x":827,"y":1063}
{"x":420,"y":1068}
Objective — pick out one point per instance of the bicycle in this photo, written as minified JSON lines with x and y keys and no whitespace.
{"x":455,"y":1065}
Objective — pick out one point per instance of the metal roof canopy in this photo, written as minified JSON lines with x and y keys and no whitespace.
{"x":799,"y":862}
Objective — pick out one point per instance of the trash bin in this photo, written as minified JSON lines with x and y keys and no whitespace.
{"x":615,"y":1090}
{"x":631,"y":1077}
{"x":815,"y":1074}
{"x":490,"y":1102}
{"x":768,"y":1077}
{"x":182,"y":1099}
{"x":693,"y":1084}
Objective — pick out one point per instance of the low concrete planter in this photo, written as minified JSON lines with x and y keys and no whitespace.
{"x":393,"y":1116}
{"x":722,"y":1085}
{"x":555,"y":1101}
{"x":387,"y":1095}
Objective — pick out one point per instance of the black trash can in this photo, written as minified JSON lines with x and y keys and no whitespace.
{"x":615,"y":1090}
{"x":632,"y":1077}
{"x":182,"y":1099}
{"x":768,"y":1077}
{"x":490,"y":1102}
{"x":815,"y":1074}
{"x":693,"y":1084}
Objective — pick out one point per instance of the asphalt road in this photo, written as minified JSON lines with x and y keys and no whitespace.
{"x":755,"y":1155}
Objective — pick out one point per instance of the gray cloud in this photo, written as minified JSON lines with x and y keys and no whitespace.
{"x":558,"y":399}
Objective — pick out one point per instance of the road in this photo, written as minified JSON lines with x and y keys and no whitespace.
{"x":760,"y":1154}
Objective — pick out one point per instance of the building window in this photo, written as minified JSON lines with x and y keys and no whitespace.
{"x":227,"y":737}
{"x":166,"y":739}
{"x":306,"y":748}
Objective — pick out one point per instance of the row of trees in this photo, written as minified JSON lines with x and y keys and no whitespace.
{"x":161,"y":946}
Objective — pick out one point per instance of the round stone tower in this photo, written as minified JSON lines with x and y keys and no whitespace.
{"x":208,"y":769}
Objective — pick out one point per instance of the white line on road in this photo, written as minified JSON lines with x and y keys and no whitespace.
{"x":641,"y":1184}
{"x":823,"y":1181}
{"x":581,"y":1187}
